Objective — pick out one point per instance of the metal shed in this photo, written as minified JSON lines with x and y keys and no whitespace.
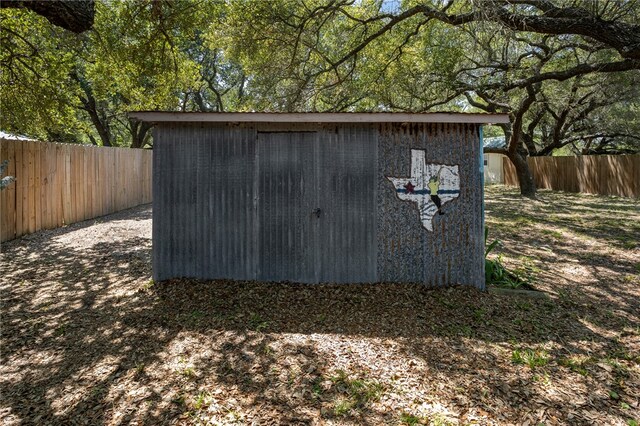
{"x":319,"y":197}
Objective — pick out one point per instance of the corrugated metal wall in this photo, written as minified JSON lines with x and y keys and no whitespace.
{"x":243,"y":202}
{"x":203,"y":216}
{"x":453,"y":252}
{"x":311,"y":203}
{"x":346,"y":173}
{"x":286,"y":225}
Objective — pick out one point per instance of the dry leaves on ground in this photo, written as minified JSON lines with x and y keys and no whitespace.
{"x":88,"y":338}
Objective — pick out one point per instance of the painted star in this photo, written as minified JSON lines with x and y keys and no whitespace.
{"x":409,"y":187}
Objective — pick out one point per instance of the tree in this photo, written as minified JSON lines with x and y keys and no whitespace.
{"x":591,"y":114}
{"x":57,"y":85}
{"x":518,"y":76}
{"x":501,"y":58}
{"x":36,"y":58}
{"x":543,"y":62}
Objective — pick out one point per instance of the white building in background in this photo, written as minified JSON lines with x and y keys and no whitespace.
{"x":493,"y":163}
{"x":12,"y":137}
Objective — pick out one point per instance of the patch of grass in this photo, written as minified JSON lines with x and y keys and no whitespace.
{"x":479,"y":314}
{"x":576,"y":363}
{"x":410,"y":419}
{"x":201,"y":400}
{"x":139,"y":368}
{"x":629,"y":244}
{"x":618,"y":368}
{"x":544,"y":379}
{"x":524,"y":220}
{"x":343,"y":406}
{"x":439,"y":420}
{"x":497,"y":274}
{"x":527,"y":269}
{"x":529,"y":357}
{"x":178,"y":400}
{"x":555,"y":234}
{"x":196,"y":315}
{"x":461,"y":330}
{"x":257,"y":324}
{"x":60,"y":330}
{"x":354,"y":393}
{"x":98,"y":391}
{"x":266,"y":350}
{"x":188,"y":373}
{"x":523,"y":306}
{"x":566,"y":297}
{"x":316,"y":387}
{"x":146,"y":286}
{"x":441,"y":299}
{"x":632,"y":422}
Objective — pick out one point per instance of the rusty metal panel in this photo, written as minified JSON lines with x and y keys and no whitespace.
{"x":435,"y":249}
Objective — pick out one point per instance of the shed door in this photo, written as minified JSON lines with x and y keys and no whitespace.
{"x":347,"y":191}
{"x":316,"y":206}
{"x":287,"y":197}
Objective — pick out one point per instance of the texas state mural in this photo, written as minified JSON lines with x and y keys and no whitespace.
{"x":430,"y":186}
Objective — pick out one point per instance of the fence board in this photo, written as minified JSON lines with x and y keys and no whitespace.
{"x":68,"y":213}
{"x":59,"y":184}
{"x":17,"y":168}
{"x":602,"y":174}
{"x":5,"y":195}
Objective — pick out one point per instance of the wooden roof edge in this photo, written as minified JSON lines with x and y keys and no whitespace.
{"x":318,"y":117}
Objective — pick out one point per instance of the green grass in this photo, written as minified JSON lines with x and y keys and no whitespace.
{"x":139,"y":368}
{"x":529,"y":357}
{"x":188,"y":373}
{"x":497,"y":274}
{"x":257,"y":324}
{"x":439,"y":420}
{"x":146,"y":286}
{"x":201,"y":400}
{"x":60,"y":330}
{"x":354,"y":393}
{"x":410,"y":419}
{"x":555,"y":234}
{"x":576,"y":363}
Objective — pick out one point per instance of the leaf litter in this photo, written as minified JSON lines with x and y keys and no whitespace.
{"x":88,"y":338}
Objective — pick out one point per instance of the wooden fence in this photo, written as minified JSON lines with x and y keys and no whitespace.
{"x":597,"y":174}
{"x":58,"y":184}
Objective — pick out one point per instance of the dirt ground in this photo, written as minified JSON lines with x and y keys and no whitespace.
{"x":88,"y":338}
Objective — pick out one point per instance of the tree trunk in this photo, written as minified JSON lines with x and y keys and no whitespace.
{"x":139,"y":131}
{"x":102,"y":127}
{"x":525,"y":178}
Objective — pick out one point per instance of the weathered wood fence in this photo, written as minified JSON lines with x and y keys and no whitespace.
{"x":597,"y":174}
{"x":59,"y":184}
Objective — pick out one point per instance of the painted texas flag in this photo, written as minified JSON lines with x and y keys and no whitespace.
{"x":430,"y":186}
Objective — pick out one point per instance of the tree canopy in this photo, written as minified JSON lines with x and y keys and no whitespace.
{"x":73,"y":15}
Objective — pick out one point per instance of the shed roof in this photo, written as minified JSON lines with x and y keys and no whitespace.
{"x":318,"y":117}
